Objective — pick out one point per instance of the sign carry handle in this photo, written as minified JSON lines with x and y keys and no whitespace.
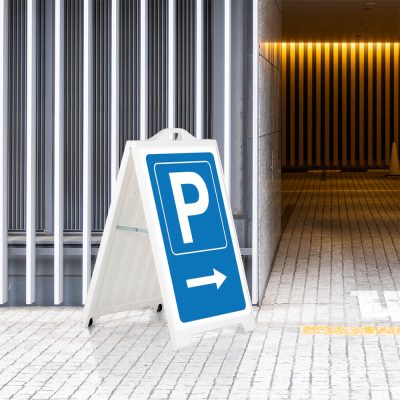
{"x":169,"y":135}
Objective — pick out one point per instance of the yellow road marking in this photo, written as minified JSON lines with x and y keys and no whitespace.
{"x":349,"y":330}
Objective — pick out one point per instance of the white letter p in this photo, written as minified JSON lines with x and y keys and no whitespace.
{"x":185,"y":210}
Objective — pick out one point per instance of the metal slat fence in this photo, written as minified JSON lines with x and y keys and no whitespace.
{"x":122,"y":70}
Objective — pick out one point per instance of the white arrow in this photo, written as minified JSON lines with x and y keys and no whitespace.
{"x":217,"y":278}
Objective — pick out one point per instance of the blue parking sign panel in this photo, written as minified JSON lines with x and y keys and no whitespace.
{"x":196,"y":234}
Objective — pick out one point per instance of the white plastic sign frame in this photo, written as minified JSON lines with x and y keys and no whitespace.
{"x":128,"y":273}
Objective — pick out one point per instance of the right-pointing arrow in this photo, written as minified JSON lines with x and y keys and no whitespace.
{"x":218,"y":278}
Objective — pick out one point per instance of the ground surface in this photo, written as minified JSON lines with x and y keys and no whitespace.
{"x":337,"y":268}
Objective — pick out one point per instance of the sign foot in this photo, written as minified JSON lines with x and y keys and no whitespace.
{"x":249,"y":324}
{"x":181,"y":341}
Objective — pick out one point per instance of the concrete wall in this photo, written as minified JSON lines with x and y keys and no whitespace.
{"x":240,"y":110}
{"x":269,"y":130}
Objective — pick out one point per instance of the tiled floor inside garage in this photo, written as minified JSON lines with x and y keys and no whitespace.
{"x":327,"y":327}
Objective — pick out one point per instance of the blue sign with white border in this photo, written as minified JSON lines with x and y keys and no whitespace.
{"x":196,"y":235}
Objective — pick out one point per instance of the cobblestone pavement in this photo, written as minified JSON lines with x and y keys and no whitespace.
{"x":339,"y":251}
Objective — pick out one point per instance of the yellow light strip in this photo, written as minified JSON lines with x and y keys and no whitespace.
{"x":284,"y":105}
{"x":361,"y":100}
{"x":335,"y":105}
{"x":353,"y":105}
{"x":396,"y":91}
{"x":332,"y":43}
{"x":387,"y":101}
{"x":344,"y":104}
{"x":318,"y":103}
{"x":301,"y":104}
{"x":293,"y":132}
{"x":378,"y":126}
{"x":327,"y":105}
{"x":309,"y":100}
{"x":370,"y":102}
{"x":349,"y":330}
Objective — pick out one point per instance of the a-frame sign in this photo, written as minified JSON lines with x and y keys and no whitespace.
{"x":170,"y":238}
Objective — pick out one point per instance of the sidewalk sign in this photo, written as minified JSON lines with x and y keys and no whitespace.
{"x":170,"y":238}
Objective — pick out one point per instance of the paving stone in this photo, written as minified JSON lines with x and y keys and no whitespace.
{"x":342,"y":236}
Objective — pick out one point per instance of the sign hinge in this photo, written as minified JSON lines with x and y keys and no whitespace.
{"x":132,"y":229}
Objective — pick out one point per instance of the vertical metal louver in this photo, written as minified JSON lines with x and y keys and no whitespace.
{"x":73,"y":134}
{"x":101,"y":112}
{"x":157,"y":67}
{"x":207,"y":70}
{"x":185,"y":65}
{"x":129,"y":38}
{"x":17,"y":114}
{"x":43,"y":150}
{"x":73,"y":105}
